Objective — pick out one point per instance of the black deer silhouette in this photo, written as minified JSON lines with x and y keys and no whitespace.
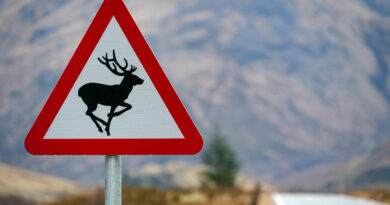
{"x":110,"y":95}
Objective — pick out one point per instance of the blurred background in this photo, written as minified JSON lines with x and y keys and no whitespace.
{"x":297,"y":93}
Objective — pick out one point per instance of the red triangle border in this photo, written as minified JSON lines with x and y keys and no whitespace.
{"x":37,"y":145}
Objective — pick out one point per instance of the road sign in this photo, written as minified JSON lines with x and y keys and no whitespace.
{"x":113,"y":98}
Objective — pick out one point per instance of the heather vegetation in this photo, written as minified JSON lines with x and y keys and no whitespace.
{"x":378,"y":194}
{"x":153,"y":196}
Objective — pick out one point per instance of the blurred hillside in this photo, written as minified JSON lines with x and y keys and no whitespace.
{"x":22,"y":185}
{"x":372,"y":170}
{"x":301,"y":88}
{"x":177,"y":175}
{"x":364,"y":172}
{"x":168,"y":176}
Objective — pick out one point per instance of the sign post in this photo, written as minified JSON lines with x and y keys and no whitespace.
{"x":113,"y":99}
{"x":113,"y":181}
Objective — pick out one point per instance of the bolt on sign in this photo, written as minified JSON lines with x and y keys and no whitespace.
{"x":113,"y":98}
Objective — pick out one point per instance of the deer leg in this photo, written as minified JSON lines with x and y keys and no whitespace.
{"x":110,"y":116}
{"x":100,"y":120}
{"x":96,"y":123}
{"x":127,"y":107}
{"x":94,"y":118}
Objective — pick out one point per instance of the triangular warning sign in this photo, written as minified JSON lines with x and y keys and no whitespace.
{"x":113,"y":98}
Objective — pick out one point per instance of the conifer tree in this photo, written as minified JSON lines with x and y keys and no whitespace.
{"x":221,"y":161}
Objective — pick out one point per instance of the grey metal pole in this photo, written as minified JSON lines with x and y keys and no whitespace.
{"x":113,"y":187}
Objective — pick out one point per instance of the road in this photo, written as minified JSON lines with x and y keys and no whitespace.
{"x":320,"y":199}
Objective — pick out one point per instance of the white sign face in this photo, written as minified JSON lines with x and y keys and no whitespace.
{"x":148,"y":118}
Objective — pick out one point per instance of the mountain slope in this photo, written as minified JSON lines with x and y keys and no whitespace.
{"x":34,"y":186}
{"x":369,"y":171}
{"x":296,"y":86}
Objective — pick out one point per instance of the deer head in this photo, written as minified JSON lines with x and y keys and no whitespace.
{"x":113,"y":65}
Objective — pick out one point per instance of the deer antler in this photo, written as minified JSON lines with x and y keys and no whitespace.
{"x":106,"y":61}
{"x":132,"y":69}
